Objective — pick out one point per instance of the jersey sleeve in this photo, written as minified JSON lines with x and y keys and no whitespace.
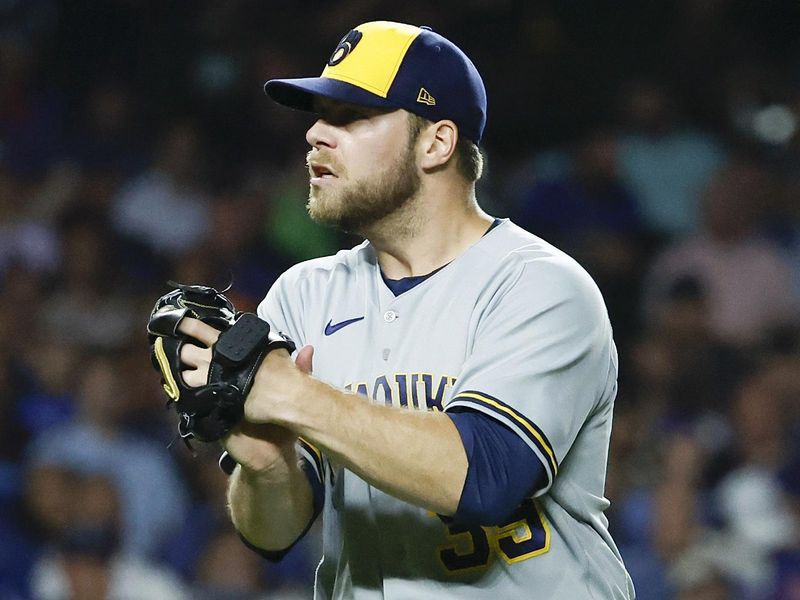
{"x":282,"y":307}
{"x":283,"y":311}
{"x":542,"y":358}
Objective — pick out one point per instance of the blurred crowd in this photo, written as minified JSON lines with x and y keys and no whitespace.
{"x":656,"y":141}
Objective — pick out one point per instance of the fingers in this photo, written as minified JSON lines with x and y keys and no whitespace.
{"x":198,"y":359}
{"x":195,"y":356}
{"x":200,"y":331}
{"x":195,"y":377}
{"x":304,"y":359}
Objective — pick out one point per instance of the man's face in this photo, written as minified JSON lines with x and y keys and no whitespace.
{"x":362,"y":165}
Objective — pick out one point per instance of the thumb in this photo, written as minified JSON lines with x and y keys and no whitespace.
{"x":304,"y":358}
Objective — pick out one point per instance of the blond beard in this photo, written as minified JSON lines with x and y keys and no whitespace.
{"x":355,"y":207}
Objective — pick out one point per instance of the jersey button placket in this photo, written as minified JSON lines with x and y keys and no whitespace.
{"x":389,"y":337}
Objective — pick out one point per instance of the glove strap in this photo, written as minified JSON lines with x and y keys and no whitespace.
{"x":218,"y":403}
{"x":248,"y":334}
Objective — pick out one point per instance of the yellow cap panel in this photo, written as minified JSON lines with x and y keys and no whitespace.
{"x":373,"y":64}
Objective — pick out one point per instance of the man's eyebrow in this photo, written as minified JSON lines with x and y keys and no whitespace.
{"x":326,"y":105}
{"x":319,"y":103}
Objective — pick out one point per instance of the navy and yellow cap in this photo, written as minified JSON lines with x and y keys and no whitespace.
{"x":393,"y":65}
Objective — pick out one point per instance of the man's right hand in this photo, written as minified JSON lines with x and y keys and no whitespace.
{"x":257,"y":447}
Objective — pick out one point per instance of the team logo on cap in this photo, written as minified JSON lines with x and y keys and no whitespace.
{"x":424,"y":97}
{"x":345,"y":47}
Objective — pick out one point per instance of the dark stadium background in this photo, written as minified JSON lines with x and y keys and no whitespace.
{"x":656,"y":141}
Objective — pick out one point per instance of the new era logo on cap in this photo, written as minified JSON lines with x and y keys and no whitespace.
{"x":425,"y":97}
{"x":394,"y":65}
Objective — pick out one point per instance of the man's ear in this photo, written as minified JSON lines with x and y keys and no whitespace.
{"x":437,"y":144}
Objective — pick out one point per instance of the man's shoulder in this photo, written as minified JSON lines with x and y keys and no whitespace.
{"x":532,"y":266}
{"x":307,"y":282}
{"x":344,"y":261}
{"x":524,"y":251}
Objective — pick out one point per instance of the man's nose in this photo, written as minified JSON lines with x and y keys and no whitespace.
{"x":321,"y":133}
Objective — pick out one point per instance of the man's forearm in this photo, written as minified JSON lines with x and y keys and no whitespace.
{"x":413,"y":455}
{"x":271,"y":508}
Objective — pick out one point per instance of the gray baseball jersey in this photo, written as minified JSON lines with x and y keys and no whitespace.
{"x":512,"y":328}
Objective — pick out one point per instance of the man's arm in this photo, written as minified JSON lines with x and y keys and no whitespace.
{"x":269,"y":495}
{"x":416,"y":456}
{"x":413,"y":455}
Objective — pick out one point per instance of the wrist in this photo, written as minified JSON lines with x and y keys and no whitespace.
{"x":267,"y":466}
{"x":294,"y":396}
{"x":278,"y":392}
{"x":261,"y":449}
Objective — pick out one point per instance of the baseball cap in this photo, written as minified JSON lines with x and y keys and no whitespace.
{"x":393,"y":65}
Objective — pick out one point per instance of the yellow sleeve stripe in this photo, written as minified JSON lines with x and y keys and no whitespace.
{"x":535,"y":432}
{"x":314,"y":451}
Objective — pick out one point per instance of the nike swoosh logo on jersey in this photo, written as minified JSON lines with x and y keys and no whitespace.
{"x":330,"y":329}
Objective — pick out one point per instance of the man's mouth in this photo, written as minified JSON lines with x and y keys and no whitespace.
{"x":320,"y":171}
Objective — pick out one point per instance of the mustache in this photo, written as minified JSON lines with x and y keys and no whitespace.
{"x":323,"y":157}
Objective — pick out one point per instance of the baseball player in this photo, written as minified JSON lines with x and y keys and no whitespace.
{"x":450,"y":409}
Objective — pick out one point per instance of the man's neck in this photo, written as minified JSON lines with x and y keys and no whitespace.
{"x":427,"y":233}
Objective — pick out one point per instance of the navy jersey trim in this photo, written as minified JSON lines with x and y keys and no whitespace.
{"x":494,"y":224}
{"x":401,"y":286}
{"x":517,"y":421}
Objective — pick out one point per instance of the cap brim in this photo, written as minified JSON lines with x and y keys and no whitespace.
{"x":300,"y":93}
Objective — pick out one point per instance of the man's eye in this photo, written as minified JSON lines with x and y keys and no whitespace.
{"x":344,"y":116}
{"x":348,"y":116}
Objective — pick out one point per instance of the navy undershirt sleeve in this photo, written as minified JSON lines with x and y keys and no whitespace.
{"x":502,"y":472}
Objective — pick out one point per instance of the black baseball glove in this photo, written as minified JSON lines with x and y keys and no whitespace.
{"x":210,"y":411}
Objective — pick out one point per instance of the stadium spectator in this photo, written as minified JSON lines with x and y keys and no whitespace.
{"x":166,"y":209}
{"x":86,"y":561}
{"x":662,"y":161}
{"x":96,"y":442}
{"x":89,"y":290}
{"x":746,"y":281}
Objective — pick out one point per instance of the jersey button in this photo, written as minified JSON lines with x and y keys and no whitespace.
{"x":389,"y":316}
